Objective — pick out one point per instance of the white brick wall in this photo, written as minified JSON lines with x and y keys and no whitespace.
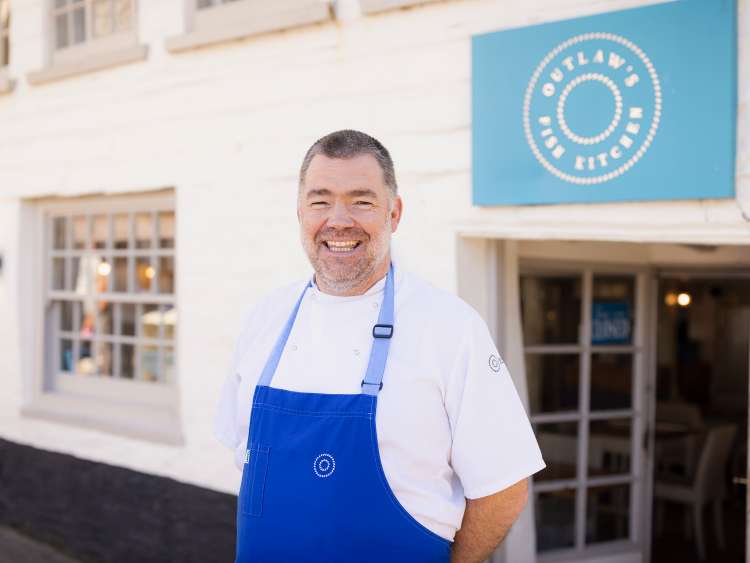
{"x":227,"y":127}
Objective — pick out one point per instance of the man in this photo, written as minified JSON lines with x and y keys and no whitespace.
{"x":370,"y":412}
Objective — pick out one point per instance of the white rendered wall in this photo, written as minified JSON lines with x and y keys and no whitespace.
{"x":227,"y":128}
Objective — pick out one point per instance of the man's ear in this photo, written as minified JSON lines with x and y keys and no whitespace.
{"x":397,"y":210}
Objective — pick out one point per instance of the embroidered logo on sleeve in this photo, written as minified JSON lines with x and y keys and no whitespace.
{"x":495,"y":363}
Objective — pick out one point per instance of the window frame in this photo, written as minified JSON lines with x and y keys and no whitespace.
{"x":6,"y":85}
{"x":94,"y":53}
{"x":141,"y":409}
{"x":378,"y":6}
{"x":245,"y":18}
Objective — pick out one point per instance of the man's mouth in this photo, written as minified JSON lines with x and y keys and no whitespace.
{"x":341,"y":246}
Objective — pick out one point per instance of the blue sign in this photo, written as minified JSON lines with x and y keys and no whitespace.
{"x":610,"y":322}
{"x":638,"y":104}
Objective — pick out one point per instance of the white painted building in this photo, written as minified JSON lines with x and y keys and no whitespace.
{"x":166,"y":140}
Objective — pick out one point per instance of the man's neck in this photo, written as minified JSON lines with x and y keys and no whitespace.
{"x":360,"y":289}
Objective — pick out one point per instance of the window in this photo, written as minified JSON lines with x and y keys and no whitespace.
{"x":111,"y":294}
{"x":109,"y":321}
{"x":89,"y":35}
{"x":4,"y":32}
{"x":6,"y":85}
{"x":214,"y":21}
{"x":78,"y":21}
{"x":375,"y":6}
{"x":209,"y":3}
{"x":583,"y":344}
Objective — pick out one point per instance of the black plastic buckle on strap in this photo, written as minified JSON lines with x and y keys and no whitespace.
{"x":382,"y":331}
{"x":368,"y":383}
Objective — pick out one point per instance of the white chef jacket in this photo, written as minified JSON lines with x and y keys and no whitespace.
{"x":449,"y":421}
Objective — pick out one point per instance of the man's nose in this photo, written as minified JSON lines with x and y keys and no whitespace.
{"x":340,"y":217}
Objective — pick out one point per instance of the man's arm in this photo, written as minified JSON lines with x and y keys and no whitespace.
{"x":486,"y":523}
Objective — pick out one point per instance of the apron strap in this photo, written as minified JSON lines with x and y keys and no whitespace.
{"x":381,"y":341}
{"x":273,"y":360}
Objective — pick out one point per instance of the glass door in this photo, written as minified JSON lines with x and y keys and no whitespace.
{"x":583,"y":333}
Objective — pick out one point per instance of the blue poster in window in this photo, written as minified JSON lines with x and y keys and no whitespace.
{"x":638,"y":104}
{"x":610,"y":322}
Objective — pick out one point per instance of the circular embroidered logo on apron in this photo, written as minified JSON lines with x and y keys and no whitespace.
{"x":495,"y":363}
{"x":324,"y":465}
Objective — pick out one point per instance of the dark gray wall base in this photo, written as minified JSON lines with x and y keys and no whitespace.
{"x":107,"y":514}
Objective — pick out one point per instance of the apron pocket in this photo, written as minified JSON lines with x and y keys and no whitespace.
{"x":254,"y":481}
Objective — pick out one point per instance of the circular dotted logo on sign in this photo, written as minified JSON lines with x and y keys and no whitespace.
{"x":495,"y":363}
{"x":592,"y":108}
{"x":324,"y":465}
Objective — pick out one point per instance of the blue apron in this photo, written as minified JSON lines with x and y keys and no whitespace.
{"x":313,"y":487}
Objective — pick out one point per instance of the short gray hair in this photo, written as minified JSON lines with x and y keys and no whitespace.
{"x":348,"y":143}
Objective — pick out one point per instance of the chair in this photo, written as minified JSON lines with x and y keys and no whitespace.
{"x":678,"y":455}
{"x":707,"y":486}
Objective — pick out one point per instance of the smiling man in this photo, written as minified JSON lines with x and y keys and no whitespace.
{"x":370,"y":412}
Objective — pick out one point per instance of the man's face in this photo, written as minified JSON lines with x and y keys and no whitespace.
{"x":347,"y":215}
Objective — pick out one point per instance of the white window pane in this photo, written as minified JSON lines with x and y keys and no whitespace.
{"x":609,"y":447}
{"x":79,"y":25}
{"x":555,"y":520}
{"x":149,"y":363}
{"x":559,"y":444}
{"x":103,"y":358}
{"x":61,"y":31}
{"x":120,"y":275}
{"x":104,"y":318}
{"x":127,"y":361}
{"x":166,"y":274}
{"x":121,"y":231}
{"x":58,"y":273}
{"x":124,"y":14}
{"x":168,"y":375}
{"x":127,"y":319}
{"x":76,"y":278}
{"x":4,"y":25}
{"x":607,"y":513}
{"x":170,"y":322}
{"x":100,"y":231}
{"x":85,"y":363}
{"x":144,"y":274}
{"x":66,"y":315}
{"x":80,"y":228}
{"x":166,"y":229}
{"x":150,"y":321}
{"x":103,"y":275}
{"x":66,"y":355}
{"x":102,"y":17}
{"x":143,"y":230}
{"x":59,"y":233}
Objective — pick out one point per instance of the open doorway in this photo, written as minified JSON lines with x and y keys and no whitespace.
{"x":700,"y":433}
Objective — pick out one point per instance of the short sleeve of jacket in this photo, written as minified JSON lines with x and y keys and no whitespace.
{"x":225,"y":417}
{"x":493,"y":443}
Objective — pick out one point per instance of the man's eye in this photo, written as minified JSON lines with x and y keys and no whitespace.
{"x":318,"y":204}
{"x":363,"y":203}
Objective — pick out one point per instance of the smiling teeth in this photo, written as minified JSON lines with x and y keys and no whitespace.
{"x":341,"y":246}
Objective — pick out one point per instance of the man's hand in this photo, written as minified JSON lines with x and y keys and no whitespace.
{"x":486,"y":522}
